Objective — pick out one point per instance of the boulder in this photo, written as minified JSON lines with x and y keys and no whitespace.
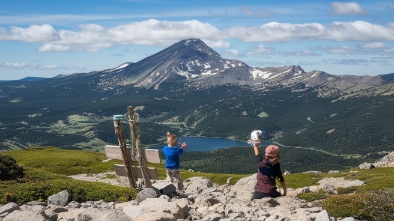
{"x":61,"y":198}
{"x":156,"y":216}
{"x":9,"y":208}
{"x":339,"y":182}
{"x":366,"y":166}
{"x":196,"y":184}
{"x":157,"y":205}
{"x":322,"y":216}
{"x":25,"y":215}
{"x":245,"y":184}
{"x":148,"y":193}
{"x":386,"y":161}
{"x":165,"y":187}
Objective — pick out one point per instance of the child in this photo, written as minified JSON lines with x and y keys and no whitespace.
{"x":269,"y":170}
{"x":172,"y":159}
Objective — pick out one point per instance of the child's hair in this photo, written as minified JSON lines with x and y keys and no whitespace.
{"x":172,"y":138}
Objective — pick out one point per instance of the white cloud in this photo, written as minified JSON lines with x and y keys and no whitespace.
{"x":51,"y":47}
{"x":277,"y":32}
{"x":232,"y":52}
{"x":260,"y":49}
{"x":337,"y":31}
{"x":347,"y":8}
{"x":34,"y":33}
{"x":93,"y":37}
{"x":374,"y":45}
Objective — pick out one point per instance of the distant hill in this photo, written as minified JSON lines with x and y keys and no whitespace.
{"x":190,"y":89}
{"x":28,"y":79}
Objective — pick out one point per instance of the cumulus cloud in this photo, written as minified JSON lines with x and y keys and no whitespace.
{"x":260,"y":49}
{"x":93,"y":37}
{"x":232,"y":52}
{"x":347,"y":8}
{"x":34,"y":33}
{"x":374,"y":45}
{"x":337,"y":31}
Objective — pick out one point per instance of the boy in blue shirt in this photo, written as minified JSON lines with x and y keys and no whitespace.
{"x":172,"y":159}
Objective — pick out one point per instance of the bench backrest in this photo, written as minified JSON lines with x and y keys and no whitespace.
{"x":114,"y":152}
{"x":152,"y":156}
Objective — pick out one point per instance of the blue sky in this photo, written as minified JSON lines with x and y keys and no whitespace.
{"x":45,"y":38}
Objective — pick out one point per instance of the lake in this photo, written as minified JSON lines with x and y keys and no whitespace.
{"x":208,"y":143}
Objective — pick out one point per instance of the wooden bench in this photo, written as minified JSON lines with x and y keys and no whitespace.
{"x":152,"y":156}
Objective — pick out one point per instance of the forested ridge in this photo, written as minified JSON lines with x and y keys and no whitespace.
{"x":31,"y":113}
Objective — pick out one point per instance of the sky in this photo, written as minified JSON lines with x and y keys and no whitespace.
{"x":46,"y":38}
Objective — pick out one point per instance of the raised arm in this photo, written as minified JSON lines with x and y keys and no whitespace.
{"x":256,"y":150}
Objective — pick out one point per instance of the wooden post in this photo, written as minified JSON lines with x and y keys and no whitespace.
{"x":125,"y":154}
{"x":133,"y":121}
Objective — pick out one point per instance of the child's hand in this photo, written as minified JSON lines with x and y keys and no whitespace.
{"x":183,"y":146}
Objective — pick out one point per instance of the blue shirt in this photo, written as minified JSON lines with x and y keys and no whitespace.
{"x":172,"y":156}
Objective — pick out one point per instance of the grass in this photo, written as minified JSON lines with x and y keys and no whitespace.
{"x":60,"y":161}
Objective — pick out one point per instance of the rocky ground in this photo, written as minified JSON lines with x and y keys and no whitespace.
{"x":202,"y":200}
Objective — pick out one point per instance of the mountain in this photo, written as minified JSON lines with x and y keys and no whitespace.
{"x":189,"y":89}
{"x":194,"y":63}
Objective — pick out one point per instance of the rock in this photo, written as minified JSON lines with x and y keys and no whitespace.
{"x":148,"y":193}
{"x":213,"y":217}
{"x":245,"y":184}
{"x":348,"y":219}
{"x":330,"y":189}
{"x":9,"y":208}
{"x":313,"y":172}
{"x":366,"y":166}
{"x":386,"y":161}
{"x":165,"y":187}
{"x":340,"y":182}
{"x":20,"y":215}
{"x":322,"y":216}
{"x":115,"y":215}
{"x":333,"y":171}
{"x":82,"y":214}
{"x":209,"y":202}
{"x":155,"y":205}
{"x":61,"y":198}
{"x":303,"y":190}
{"x":244,"y":195}
{"x":155,"y":216}
{"x":196,"y":184}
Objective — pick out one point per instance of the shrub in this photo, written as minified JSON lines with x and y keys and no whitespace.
{"x":39,"y":185}
{"x":373,"y":205}
{"x":312,"y":196}
{"x":9,"y":170}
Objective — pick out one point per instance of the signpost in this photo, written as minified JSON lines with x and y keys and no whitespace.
{"x":136,"y":144}
{"x":136,"y":152}
{"x":125,"y":153}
